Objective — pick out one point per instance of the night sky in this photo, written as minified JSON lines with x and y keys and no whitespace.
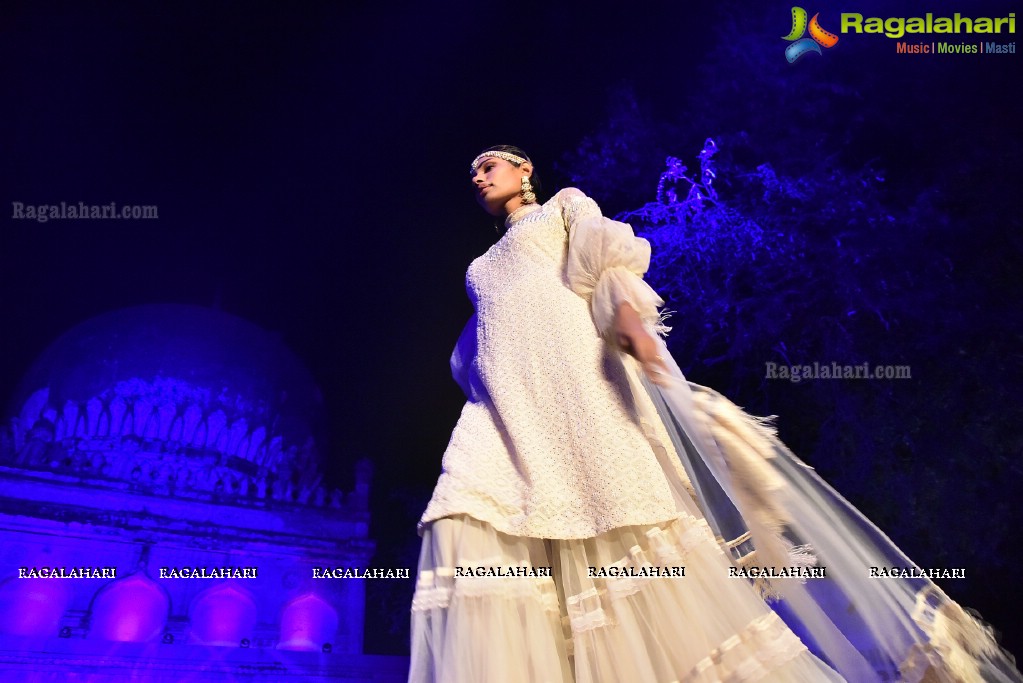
{"x":310,"y":166}
{"x":311,"y":172}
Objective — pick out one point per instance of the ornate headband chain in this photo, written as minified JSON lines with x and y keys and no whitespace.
{"x":507,"y":156}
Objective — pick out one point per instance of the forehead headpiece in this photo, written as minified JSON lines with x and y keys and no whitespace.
{"x":507,"y":156}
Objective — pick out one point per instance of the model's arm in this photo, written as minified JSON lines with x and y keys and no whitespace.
{"x":633,"y":338}
{"x":606,"y":263}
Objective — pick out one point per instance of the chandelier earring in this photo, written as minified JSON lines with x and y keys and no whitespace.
{"x":527,"y":191}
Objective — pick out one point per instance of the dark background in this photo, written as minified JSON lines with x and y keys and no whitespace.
{"x":309,"y":162}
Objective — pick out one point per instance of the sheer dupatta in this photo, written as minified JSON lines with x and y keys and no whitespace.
{"x":770,"y":510}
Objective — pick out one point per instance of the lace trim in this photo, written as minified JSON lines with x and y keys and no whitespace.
{"x":436,"y":589}
{"x":766,"y":642}
{"x":586,"y":611}
{"x":427,"y":599}
{"x":763,"y":645}
{"x":520,"y":213}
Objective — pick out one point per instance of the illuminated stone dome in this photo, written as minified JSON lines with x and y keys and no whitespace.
{"x":177,"y":399}
{"x":163,"y":460}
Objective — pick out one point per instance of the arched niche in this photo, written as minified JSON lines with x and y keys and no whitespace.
{"x":133,"y":609}
{"x":307,"y":622}
{"x":33,"y":607}
{"x":223,"y":614}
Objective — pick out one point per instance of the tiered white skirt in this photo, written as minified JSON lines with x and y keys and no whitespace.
{"x":598,"y":616}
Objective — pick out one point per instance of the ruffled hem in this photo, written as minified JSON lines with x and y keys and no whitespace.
{"x":649,"y":603}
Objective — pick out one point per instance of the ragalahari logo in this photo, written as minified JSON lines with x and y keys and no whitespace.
{"x":801,"y":46}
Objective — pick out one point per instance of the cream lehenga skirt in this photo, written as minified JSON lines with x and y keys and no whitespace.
{"x":617,"y":608}
{"x":636,"y":604}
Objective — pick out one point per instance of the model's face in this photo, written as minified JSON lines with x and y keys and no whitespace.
{"x":497,"y":184}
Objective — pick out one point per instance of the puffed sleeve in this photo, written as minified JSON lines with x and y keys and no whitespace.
{"x":606,"y":263}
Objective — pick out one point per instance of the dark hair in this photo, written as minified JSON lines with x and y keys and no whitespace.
{"x":534,"y":179}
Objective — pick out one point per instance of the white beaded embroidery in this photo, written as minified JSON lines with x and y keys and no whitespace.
{"x":551,"y":447}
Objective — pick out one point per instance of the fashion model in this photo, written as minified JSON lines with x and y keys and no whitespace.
{"x":599,"y":518}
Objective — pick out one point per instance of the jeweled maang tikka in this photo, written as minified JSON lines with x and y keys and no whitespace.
{"x":507,"y":156}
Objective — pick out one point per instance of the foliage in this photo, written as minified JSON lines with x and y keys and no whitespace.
{"x":704,"y":253}
{"x":620,"y":157}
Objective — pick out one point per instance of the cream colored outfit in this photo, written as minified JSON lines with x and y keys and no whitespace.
{"x":549,"y":444}
{"x":550,"y":465}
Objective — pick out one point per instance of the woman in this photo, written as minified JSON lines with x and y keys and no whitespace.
{"x":599,"y":519}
